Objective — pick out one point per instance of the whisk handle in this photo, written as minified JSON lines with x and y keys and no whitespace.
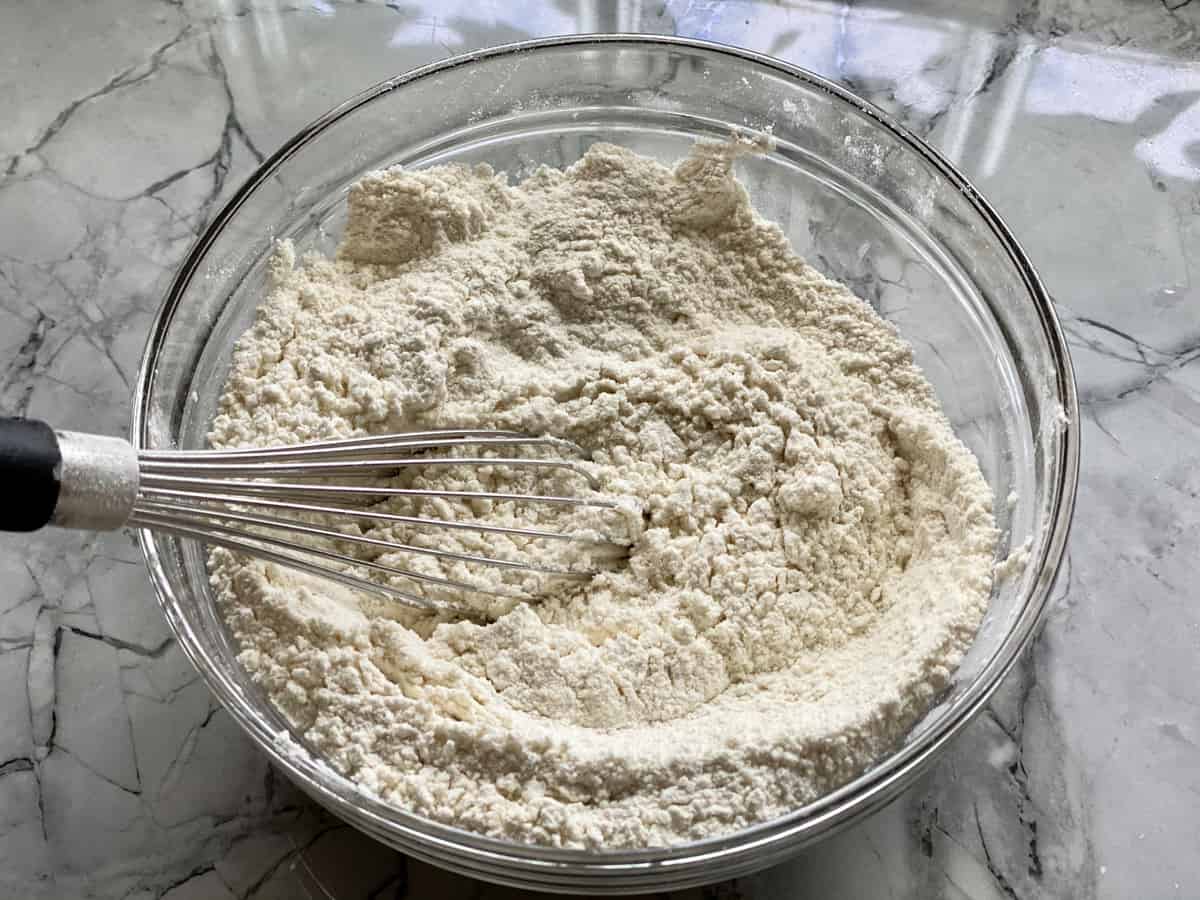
{"x":64,"y":478}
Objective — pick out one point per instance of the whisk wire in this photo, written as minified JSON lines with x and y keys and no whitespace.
{"x":301,"y":491}
{"x":356,"y":468}
{"x":259,"y":550}
{"x":250,"y":500}
{"x":410,"y":442}
{"x":202,"y":516}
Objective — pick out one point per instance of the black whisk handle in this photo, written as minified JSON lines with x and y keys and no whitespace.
{"x":30,"y":463}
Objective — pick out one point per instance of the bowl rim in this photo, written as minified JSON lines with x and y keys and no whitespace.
{"x":775,"y":837}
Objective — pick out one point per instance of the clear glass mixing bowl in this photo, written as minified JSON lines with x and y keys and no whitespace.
{"x":860,"y":197}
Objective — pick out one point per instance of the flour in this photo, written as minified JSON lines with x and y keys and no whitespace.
{"x":812,"y":546}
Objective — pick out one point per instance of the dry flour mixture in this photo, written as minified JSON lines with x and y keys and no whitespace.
{"x":814,"y":549}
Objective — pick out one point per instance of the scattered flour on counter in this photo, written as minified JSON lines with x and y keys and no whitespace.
{"x":814,"y":550}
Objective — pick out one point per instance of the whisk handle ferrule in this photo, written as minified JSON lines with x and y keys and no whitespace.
{"x":64,"y":478}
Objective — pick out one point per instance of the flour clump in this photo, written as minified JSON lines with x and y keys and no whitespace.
{"x":812,"y":547}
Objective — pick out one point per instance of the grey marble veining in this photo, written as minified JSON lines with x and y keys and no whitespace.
{"x":126,"y":122}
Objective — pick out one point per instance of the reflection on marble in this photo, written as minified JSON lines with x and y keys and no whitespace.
{"x":128,"y":121}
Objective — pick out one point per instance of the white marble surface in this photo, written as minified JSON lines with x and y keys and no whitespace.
{"x":126,"y":121}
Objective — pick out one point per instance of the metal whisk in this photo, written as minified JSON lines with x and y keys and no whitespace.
{"x":252,"y":501}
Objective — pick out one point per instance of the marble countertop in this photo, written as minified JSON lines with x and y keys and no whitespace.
{"x":126,"y":122}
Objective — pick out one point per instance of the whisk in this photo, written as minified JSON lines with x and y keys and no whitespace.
{"x":252,"y":501}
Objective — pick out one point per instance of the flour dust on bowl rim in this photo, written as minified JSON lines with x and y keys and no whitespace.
{"x":858,"y":196}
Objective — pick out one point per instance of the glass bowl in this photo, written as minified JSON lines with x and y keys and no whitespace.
{"x":860,"y":197}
